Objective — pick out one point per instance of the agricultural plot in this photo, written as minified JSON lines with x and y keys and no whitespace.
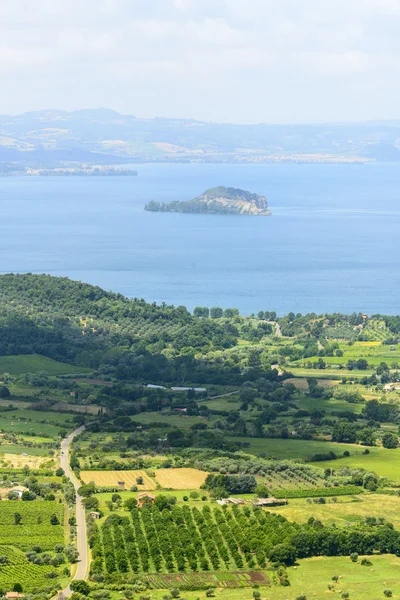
{"x":20,"y":570}
{"x":185,"y":540}
{"x":45,"y":424}
{"x":35,"y":527}
{"x":382,"y":461}
{"x":112,"y":478}
{"x":175,"y":420}
{"x":19,"y":462}
{"x":231,"y":580}
{"x":180,"y":479}
{"x":292,"y":448}
{"x":35,"y":363}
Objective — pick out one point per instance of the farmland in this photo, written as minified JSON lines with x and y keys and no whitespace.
{"x":290,"y":448}
{"x":180,"y":479}
{"x":111,"y":479}
{"x":35,"y":526}
{"x":34,"y":363}
{"x":20,"y":570}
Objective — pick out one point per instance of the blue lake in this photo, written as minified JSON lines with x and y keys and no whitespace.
{"x":332,"y":244}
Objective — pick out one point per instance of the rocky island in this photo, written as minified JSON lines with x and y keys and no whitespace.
{"x":219,"y":200}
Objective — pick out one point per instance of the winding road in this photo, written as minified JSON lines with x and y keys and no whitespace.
{"x":81,"y":534}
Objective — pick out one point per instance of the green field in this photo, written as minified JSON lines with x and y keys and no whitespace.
{"x":310,"y":577}
{"x":30,"y":532}
{"x":46,"y":424}
{"x":347,"y":509}
{"x":329,"y":373}
{"x":30,"y":450}
{"x":20,"y":570}
{"x":385,"y":463}
{"x":34,"y":363}
{"x":301,"y":449}
{"x":178,"y":420}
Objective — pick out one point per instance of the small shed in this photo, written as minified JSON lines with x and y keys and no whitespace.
{"x":95,"y":515}
{"x":12,"y":595}
{"x":236,"y":501}
{"x":269,"y":502}
{"x":121,"y":485}
{"x":144,"y":497}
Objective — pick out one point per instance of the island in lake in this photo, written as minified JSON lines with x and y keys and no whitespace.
{"x":219,"y":200}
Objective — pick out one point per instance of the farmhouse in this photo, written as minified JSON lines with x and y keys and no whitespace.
{"x":19,"y":490}
{"x":145,"y":497}
{"x":236,"y":501}
{"x":269,"y":502}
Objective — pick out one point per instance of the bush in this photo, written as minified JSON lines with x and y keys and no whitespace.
{"x":80,"y":586}
{"x":354,"y":557}
{"x":388,"y":593}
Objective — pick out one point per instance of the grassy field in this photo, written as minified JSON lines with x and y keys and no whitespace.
{"x":347,"y":509}
{"x":296,"y":448}
{"x":328,"y":404}
{"x":329,"y":373}
{"x":46,"y":424}
{"x":31,"y":451}
{"x":225,"y":404}
{"x":180,"y":479}
{"x":35,"y":363}
{"x":179,"y":420}
{"x":385,"y":463}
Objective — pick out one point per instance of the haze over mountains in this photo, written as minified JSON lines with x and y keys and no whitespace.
{"x":103,"y":136}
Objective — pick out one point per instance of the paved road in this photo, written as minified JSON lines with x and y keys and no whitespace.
{"x":82,"y":567}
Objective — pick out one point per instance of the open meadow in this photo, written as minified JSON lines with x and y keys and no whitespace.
{"x":35,"y":363}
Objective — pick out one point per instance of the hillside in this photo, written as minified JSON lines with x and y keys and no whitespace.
{"x":103,"y":136}
{"x":217,"y":200}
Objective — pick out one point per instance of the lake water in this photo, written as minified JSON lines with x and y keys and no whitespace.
{"x":332,"y":244}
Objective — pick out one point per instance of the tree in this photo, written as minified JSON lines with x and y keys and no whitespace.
{"x":389,"y":440}
{"x":60,"y":472}
{"x":4,"y":392}
{"x":283,"y":553}
{"x":18,"y":588}
{"x":17,"y":518}
{"x":130,"y":503}
{"x":27,"y":495}
{"x":80,"y":586}
{"x":354,"y":557}
{"x":210,"y":593}
{"x":54,"y":520}
{"x":216,"y":312}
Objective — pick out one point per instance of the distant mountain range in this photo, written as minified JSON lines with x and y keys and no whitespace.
{"x":103,"y":136}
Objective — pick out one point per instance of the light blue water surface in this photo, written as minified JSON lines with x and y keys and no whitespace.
{"x":332,"y":244}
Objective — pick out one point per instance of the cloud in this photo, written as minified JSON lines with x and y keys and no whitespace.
{"x":228,"y":60}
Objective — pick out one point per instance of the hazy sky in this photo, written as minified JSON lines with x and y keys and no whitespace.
{"x":219,"y":60}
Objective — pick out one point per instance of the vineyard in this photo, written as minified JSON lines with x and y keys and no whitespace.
{"x":34,"y":528}
{"x":186,"y":539}
{"x":20,"y":570}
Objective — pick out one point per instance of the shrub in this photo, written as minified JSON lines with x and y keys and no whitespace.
{"x":354,"y":557}
{"x":388,"y":593}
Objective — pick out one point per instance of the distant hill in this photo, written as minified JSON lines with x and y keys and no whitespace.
{"x":103,"y":136}
{"x":217,"y":200}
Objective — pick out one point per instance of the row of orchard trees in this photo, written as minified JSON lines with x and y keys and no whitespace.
{"x":169,"y":538}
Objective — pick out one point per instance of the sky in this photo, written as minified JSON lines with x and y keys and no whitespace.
{"x":242,"y":61}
